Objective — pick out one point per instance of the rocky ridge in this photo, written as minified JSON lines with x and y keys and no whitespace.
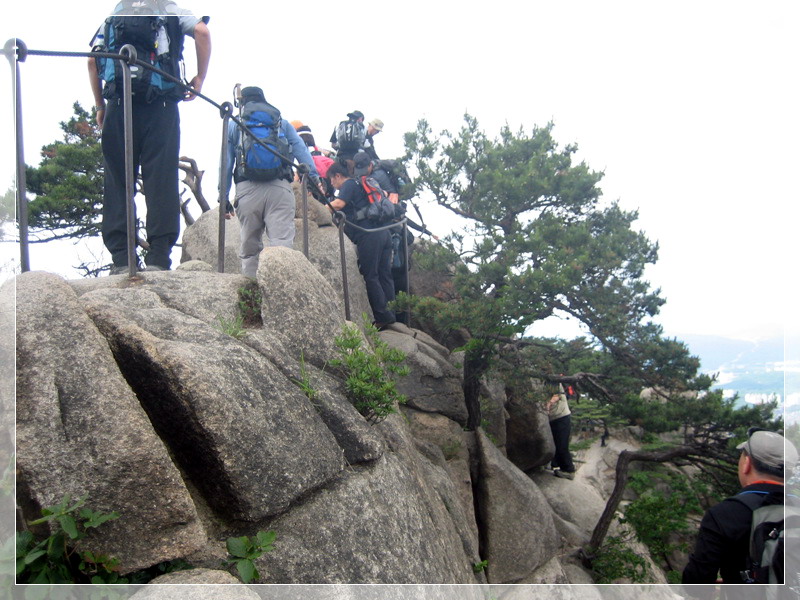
{"x":131,"y":392}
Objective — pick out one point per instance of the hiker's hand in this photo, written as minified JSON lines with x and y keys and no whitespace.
{"x":100,"y":117}
{"x":197,"y":84}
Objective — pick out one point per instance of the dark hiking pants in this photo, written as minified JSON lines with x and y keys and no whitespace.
{"x":561,"y":429}
{"x":156,"y":143}
{"x":375,"y":264}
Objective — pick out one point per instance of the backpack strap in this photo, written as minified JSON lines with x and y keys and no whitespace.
{"x":754,"y":500}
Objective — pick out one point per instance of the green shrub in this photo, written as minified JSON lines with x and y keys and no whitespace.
{"x":614,"y":560}
{"x":58,"y":558}
{"x":369,"y":372}
{"x":661,"y":510}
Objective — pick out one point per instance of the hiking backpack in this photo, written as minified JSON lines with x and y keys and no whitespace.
{"x":398,"y":176}
{"x":158,"y":40}
{"x":254,"y":162}
{"x":765,"y":564}
{"x":350,"y":135}
{"x":380,"y":209}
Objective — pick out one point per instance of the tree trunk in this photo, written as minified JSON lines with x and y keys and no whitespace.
{"x":474,"y":368}
{"x":623,"y":463}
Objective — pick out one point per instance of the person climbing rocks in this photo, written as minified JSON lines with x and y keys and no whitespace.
{"x":561,"y":426}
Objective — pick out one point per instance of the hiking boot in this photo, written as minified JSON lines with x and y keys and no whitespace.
{"x":564,"y":474}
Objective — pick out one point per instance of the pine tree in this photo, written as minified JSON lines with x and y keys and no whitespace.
{"x":537,"y":241}
{"x":68,"y":183}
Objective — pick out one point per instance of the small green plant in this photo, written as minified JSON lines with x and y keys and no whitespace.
{"x":451,"y":449}
{"x":249,"y":305}
{"x":614,"y":560}
{"x":369,"y":374}
{"x":304,"y":381}
{"x":243,"y":551}
{"x":480,"y":567}
{"x":233,"y":327}
{"x":58,"y":558}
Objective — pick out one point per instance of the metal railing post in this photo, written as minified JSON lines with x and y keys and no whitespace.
{"x":304,"y":186}
{"x":226,"y":110}
{"x":129,"y":57}
{"x":404,"y":232}
{"x":339,"y":220}
{"x":16,"y":51}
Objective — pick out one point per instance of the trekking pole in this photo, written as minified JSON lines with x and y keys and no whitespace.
{"x":225,"y":112}
{"x":16,"y":50}
{"x":128,"y":53}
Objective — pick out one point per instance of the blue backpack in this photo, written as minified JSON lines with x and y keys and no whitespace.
{"x":254,"y":162}
{"x":158,"y":40}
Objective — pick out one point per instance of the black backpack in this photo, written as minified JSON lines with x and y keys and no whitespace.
{"x":254,"y":162}
{"x":158,"y":40}
{"x":380,"y":209}
{"x":399,"y":177}
{"x":350,"y":135}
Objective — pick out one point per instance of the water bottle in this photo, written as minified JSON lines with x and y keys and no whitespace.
{"x":162,"y":39}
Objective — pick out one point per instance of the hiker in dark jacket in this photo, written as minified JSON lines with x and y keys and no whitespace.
{"x":374,"y":248}
{"x":722,"y":547}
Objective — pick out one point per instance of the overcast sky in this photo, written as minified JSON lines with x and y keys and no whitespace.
{"x":690,"y":109}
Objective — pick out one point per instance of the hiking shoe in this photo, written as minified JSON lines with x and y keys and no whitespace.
{"x":155,"y":268}
{"x":564,"y":474}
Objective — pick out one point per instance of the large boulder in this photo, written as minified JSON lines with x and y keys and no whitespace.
{"x":200,"y":242}
{"x":454,"y":446}
{"x":81,"y":430}
{"x":493,"y":411}
{"x":516,"y":521}
{"x":299,"y":306}
{"x":434,"y":384}
{"x":373,"y":525}
{"x":196,"y":584}
{"x":576,"y":502}
{"x":248,"y":438}
{"x":529,"y":441}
